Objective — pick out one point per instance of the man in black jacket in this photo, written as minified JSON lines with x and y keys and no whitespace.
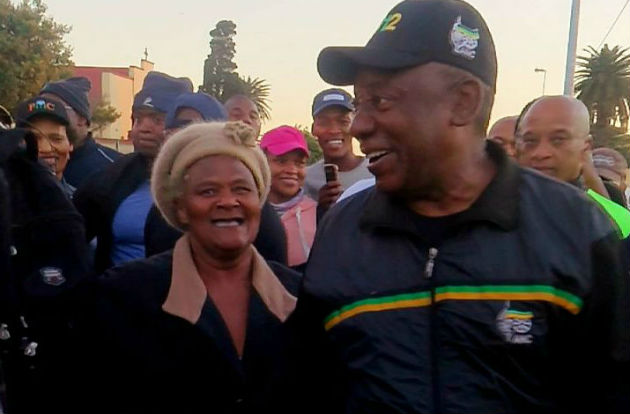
{"x":461,"y":283}
{"x":88,"y":156}
{"x":115,"y":203}
{"x":43,"y":261}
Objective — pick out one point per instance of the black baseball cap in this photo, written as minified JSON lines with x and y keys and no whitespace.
{"x":38,"y":107}
{"x":331,"y":97}
{"x":416,"y":32}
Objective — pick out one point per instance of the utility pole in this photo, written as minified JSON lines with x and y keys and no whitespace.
{"x":544,"y":72}
{"x":572,"y":48}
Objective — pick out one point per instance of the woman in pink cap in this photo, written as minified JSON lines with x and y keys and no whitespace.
{"x":287,"y":154}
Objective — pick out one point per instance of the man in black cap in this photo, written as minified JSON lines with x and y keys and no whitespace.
{"x":445,"y":289}
{"x":88,"y":156}
{"x":48,"y":120}
{"x":115,"y":203}
{"x":332,"y":112}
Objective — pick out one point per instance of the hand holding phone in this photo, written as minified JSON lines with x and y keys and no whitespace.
{"x":332,"y":172}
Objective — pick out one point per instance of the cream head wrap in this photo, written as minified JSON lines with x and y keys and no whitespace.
{"x":198,"y":141}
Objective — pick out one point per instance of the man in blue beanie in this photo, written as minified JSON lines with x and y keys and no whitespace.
{"x":149,"y":110}
{"x":115,"y":203}
{"x":88,"y":156}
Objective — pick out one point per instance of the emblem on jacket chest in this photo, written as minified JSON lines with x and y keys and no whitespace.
{"x":515,"y":325}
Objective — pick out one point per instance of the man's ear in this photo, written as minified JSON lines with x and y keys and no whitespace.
{"x":588,"y":143}
{"x":466,"y":103}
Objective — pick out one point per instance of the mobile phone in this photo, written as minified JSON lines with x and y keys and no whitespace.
{"x":332,"y":172}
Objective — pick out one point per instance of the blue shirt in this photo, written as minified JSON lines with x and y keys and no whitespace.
{"x":128,"y":225}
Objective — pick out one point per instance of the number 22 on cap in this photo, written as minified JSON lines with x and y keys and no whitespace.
{"x":390,"y":22}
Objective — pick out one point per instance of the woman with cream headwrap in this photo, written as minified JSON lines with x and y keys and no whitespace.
{"x":201,"y":327}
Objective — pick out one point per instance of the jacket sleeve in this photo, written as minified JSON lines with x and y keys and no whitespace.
{"x":87,"y":204}
{"x":271,"y":241}
{"x":321,"y":379}
{"x":607,"y":322}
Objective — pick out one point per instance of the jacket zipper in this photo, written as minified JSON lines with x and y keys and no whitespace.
{"x":435,"y":377}
{"x":428,"y":269}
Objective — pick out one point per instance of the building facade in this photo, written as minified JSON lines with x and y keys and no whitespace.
{"x":115,"y":86}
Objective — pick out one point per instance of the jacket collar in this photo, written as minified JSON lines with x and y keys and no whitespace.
{"x":497,"y":204}
{"x":187,"y":293}
{"x":88,"y":146}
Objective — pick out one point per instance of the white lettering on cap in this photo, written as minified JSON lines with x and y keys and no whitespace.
{"x":604,"y":160}
{"x":333,"y":97}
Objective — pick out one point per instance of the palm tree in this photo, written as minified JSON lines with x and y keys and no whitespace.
{"x":258,"y":91}
{"x":603,"y":84}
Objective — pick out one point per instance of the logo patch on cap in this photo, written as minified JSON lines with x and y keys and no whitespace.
{"x":41,"y":105}
{"x":148,"y":101}
{"x":52,"y":276}
{"x":333,"y":97}
{"x":464,"y":39}
{"x":604,"y":161}
{"x":390,"y":22}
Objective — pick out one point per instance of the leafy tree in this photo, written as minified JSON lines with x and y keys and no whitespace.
{"x":32,"y":50}
{"x":219,"y":71}
{"x":313,"y":145}
{"x":220,"y":78}
{"x":258,"y":91}
{"x":103,"y":115}
{"x":603,"y":84}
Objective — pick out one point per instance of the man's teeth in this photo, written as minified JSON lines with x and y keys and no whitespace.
{"x":373,"y":156}
{"x":227,"y":223}
{"x":335,"y":142}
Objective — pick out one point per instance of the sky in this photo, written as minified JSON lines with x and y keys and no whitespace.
{"x":279,"y":40}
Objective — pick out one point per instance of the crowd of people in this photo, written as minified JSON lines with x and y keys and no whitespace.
{"x":453,"y":268}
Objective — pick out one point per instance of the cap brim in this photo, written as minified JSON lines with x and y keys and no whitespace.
{"x":344,"y":105}
{"x":27,"y":122}
{"x":282,"y":149}
{"x":339,"y":65}
{"x":608,"y":174}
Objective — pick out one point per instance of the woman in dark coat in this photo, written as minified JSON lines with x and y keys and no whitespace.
{"x":201,"y":328}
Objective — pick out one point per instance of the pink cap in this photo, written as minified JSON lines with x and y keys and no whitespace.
{"x":283,"y":139}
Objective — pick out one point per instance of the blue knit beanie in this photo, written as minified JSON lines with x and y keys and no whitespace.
{"x":74,"y":92}
{"x":159,"y":92}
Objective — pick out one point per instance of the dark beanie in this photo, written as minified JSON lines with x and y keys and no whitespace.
{"x":159,"y":92}
{"x":74,"y":92}
{"x":208,"y":107}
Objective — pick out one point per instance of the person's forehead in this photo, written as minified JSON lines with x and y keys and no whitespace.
{"x":140,"y":112}
{"x":242,"y":104}
{"x":503,"y":128}
{"x":187,"y":113}
{"x":295,"y":154}
{"x":550,"y":115}
{"x":48,"y":124}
